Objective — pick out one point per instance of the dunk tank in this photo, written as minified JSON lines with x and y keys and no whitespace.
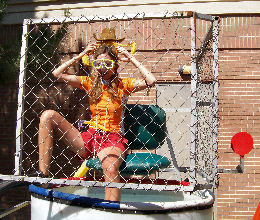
{"x":170,"y":171}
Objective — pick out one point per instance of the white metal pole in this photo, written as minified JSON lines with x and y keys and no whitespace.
{"x":19,"y":120}
{"x":215,"y":35}
{"x":193,"y":101}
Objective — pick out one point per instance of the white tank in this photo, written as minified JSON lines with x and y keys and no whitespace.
{"x":77,"y":202}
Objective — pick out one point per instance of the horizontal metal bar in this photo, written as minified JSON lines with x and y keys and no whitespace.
{"x":205,"y":17}
{"x":33,"y":180}
{"x":14,"y":209}
{"x":237,"y":170}
{"x":172,"y":169}
{"x":204,"y":103}
{"x":203,"y":186}
{"x":109,"y":18}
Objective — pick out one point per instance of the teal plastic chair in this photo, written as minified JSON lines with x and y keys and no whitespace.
{"x":145,"y":127}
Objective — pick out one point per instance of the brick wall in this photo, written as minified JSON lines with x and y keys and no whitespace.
{"x":239,"y":97}
{"x":239,"y":100}
{"x":239,"y":77}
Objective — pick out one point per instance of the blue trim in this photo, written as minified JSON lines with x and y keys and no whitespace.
{"x":40,"y":191}
{"x":75,"y":199}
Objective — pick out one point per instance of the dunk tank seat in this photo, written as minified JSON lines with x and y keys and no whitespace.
{"x":145,"y":127}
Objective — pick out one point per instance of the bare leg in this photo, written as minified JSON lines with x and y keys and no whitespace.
{"x":111,"y":159}
{"x":51,"y":120}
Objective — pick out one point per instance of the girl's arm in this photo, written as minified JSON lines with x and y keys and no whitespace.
{"x":148,"y":78}
{"x":61,"y":72}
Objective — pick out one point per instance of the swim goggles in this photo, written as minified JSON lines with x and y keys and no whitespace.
{"x":109,"y":64}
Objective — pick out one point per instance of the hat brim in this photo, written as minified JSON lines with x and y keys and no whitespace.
{"x":108,"y":39}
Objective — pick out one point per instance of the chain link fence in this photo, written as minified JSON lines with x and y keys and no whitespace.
{"x":182,"y":105}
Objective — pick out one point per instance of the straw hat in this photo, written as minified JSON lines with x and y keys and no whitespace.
{"x":108,"y":34}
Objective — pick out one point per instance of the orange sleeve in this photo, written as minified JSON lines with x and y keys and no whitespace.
{"x":85,"y":82}
{"x":128,"y":85}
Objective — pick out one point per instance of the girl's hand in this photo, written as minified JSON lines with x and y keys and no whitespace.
{"x":89,"y":49}
{"x":125,"y":53}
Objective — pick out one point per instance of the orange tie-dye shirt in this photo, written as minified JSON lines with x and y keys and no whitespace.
{"x":108,"y":114}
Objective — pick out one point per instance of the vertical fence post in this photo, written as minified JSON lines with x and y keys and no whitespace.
{"x":194,"y":77}
{"x":215,"y":96}
{"x":20,"y":107}
{"x":215,"y":36}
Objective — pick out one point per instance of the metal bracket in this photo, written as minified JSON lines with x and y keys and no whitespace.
{"x":238,"y":169}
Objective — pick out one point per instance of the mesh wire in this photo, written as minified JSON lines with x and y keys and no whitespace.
{"x":206,"y":104}
{"x":164,"y":45}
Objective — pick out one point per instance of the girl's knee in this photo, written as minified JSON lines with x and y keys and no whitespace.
{"x":111,"y":171}
{"x":47,"y":116}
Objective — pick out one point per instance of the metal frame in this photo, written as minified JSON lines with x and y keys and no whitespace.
{"x":140,"y":16}
{"x":19,"y":124}
{"x":23,"y":59}
{"x":194,"y":76}
{"x":52,"y":181}
{"x":212,"y":32}
{"x":215,"y":34}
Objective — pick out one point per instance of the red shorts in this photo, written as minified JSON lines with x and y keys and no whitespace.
{"x":97,"y":140}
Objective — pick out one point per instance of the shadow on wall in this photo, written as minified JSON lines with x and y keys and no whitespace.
{"x":43,"y":91}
